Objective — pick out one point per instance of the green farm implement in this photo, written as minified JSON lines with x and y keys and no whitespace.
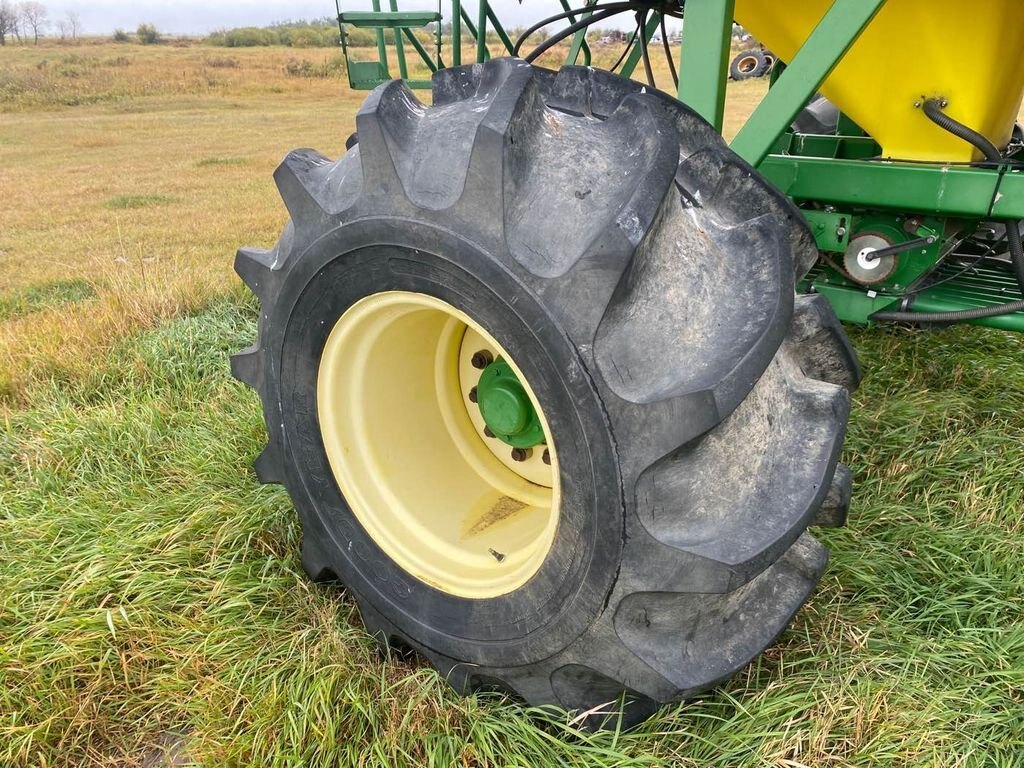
{"x":555,"y":376}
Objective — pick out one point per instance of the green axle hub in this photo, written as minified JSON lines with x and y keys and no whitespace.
{"x":506,"y":407}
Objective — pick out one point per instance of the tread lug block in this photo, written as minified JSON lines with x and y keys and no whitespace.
{"x":257,"y":269}
{"x":649,"y":349}
{"x":598,"y":211}
{"x":247,"y":366}
{"x":819,"y":344}
{"x":598,"y":93}
{"x":386,"y":123}
{"x":697,"y":641}
{"x":404,"y":130}
{"x":456,"y":84}
{"x":315,"y":563}
{"x":836,"y":506}
{"x":268,"y":465}
{"x":716,"y":178}
{"x":742,"y":493}
{"x":313,"y":186}
{"x":597,"y":702}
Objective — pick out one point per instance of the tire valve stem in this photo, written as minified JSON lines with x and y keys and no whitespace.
{"x":481,"y":359}
{"x":497,"y":555}
{"x":521,"y":454}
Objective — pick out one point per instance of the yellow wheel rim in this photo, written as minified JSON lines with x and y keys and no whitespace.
{"x":407,"y":447}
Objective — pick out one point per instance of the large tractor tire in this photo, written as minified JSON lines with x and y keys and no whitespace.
{"x":536,"y":379}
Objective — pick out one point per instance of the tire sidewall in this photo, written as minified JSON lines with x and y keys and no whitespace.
{"x":567,"y":593}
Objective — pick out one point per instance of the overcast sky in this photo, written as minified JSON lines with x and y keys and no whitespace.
{"x":199,"y":16}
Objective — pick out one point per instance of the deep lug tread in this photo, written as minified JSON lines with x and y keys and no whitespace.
{"x":820,"y":345}
{"x":256,"y":268}
{"x":740,"y":495}
{"x":599,"y":701}
{"x":314,"y":187}
{"x":247,"y":365}
{"x":836,"y":506}
{"x":599,"y":206}
{"x":315,"y":563}
{"x":716,"y":178}
{"x":696,"y":641}
{"x":647,"y":348}
{"x":269,"y":466}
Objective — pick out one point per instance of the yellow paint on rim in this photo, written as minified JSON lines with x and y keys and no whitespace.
{"x":406,"y":447}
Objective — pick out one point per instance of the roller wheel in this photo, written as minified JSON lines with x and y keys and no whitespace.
{"x":748,"y":64}
{"x":535,"y":376}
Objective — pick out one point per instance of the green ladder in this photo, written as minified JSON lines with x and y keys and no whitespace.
{"x":400,"y":26}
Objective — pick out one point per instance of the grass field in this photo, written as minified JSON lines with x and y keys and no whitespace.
{"x":152,"y":606}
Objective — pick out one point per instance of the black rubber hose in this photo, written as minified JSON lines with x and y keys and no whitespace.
{"x":950,"y":317}
{"x":933,"y":109}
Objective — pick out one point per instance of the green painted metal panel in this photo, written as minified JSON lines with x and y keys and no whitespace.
{"x":389,"y":19}
{"x":838,"y":29}
{"x":958,"y":191}
{"x":704,"y":59}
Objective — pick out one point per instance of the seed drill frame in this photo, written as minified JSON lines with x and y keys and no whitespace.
{"x":899,"y":186}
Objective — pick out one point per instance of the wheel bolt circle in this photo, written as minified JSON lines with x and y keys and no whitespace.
{"x":473,"y":395}
{"x":546,"y":457}
{"x":521,"y":454}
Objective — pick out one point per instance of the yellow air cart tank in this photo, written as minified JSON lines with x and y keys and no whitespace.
{"x":968,"y":53}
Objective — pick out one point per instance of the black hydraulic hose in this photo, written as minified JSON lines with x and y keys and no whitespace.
{"x":950,"y":317}
{"x":933,"y":110}
{"x":602,"y":12}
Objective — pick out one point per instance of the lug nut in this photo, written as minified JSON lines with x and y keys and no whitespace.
{"x":546,"y":457}
{"x":482,"y":359}
{"x":487,"y":432}
{"x":521,"y":454}
{"x":472,"y":395}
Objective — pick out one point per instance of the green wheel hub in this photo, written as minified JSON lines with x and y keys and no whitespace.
{"x":506,"y":407}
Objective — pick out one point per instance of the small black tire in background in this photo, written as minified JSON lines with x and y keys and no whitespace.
{"x":748,"y":64}
{"x":642,"y":277}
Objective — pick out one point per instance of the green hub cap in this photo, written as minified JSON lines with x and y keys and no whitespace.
{"x":506,"y":407}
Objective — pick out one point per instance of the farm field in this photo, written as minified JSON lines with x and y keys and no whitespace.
{"x":153,"y":610}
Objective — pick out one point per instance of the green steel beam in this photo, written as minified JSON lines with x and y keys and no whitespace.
{"x":838,"y":29}
{"x":403,"y":69}
{"x":956,"y":191}
{"x":456,"y":33}
{"x":704,"y":60}
{"x":388,"y":19}
{"x":423,"y":51}
{"x":486,"y":54}
{"x":482,"y":53}
{"x":579,"y":40}
{"x":500,"y":30}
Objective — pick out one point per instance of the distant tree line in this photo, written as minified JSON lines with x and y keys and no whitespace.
{"x":30,"y":20}
{"x":319,"y":33}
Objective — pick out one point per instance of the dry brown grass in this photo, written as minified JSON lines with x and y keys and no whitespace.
{"x":147,"y":191}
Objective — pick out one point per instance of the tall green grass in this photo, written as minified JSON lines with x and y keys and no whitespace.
{"x":152,"y":602}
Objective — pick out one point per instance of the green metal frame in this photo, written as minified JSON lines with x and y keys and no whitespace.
{"x":837,"y":180}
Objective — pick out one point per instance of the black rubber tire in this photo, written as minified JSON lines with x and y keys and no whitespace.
{"x":748,"y":64}
{"x":643,"y":276}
